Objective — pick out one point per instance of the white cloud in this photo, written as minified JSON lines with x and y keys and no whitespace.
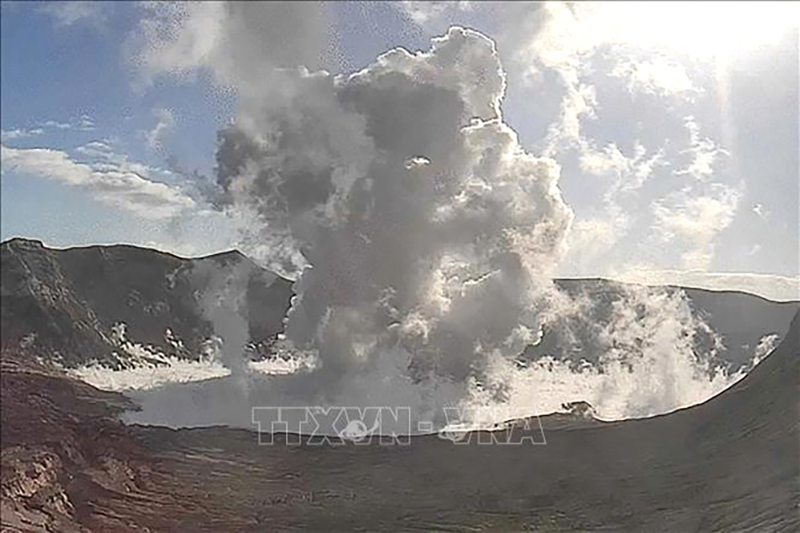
{"x":690,"y":219}
{"x":597,"y":57}
{"x":568,"y":39}
{"x":238,"y":43}
{"x":178,"y":38}
{"x":73,"y":12}
{"x":427,"y":13}
{"x":579,"y":102}
{"x":701,"y":30}
{"x":57,"y":125}
{"x":422,"y":12}
{"x":593,"y":236}
{"x":703,"y":151}
{"x":85,"y":123}
{"x":655,"y":76}
{"x":692,"y":222}
{"x":82,"y":123}
{"x":109,"y":178}
{"x":165,"y":123}
{"x":628,"y":173}
{"x":573,"y":41}
{"x":20,"y":133}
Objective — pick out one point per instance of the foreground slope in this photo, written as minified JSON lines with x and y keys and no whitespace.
{"x":729,"y":464}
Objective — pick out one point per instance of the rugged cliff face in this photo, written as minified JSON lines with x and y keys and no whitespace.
{"x":80,"y":304}
{"x":59,"y":440}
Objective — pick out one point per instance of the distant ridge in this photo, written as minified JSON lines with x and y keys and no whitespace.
{"x":62,"y":304}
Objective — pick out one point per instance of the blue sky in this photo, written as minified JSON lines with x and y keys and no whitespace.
{"x":678,"y":143}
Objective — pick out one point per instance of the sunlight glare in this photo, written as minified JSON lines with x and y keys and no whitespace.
{"x":700,"y":29}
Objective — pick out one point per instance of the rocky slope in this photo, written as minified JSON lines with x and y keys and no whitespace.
{"x":730,"y":464}
{"x":68,"y":464}
{"x":77,"y":305}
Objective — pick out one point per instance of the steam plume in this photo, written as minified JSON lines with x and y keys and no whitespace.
{"x":421,"y":226}
{"x":423,"y":240}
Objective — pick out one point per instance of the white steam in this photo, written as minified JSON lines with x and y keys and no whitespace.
{"x":424,"y":239}
{"x":427,"y":234}
{"x":647,"y":362}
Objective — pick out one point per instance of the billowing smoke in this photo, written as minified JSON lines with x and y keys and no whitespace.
{"x":630,"y":351}
{"x":224,"y":304}
{"x":422,"y":228}
{"x":423,"y":240}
